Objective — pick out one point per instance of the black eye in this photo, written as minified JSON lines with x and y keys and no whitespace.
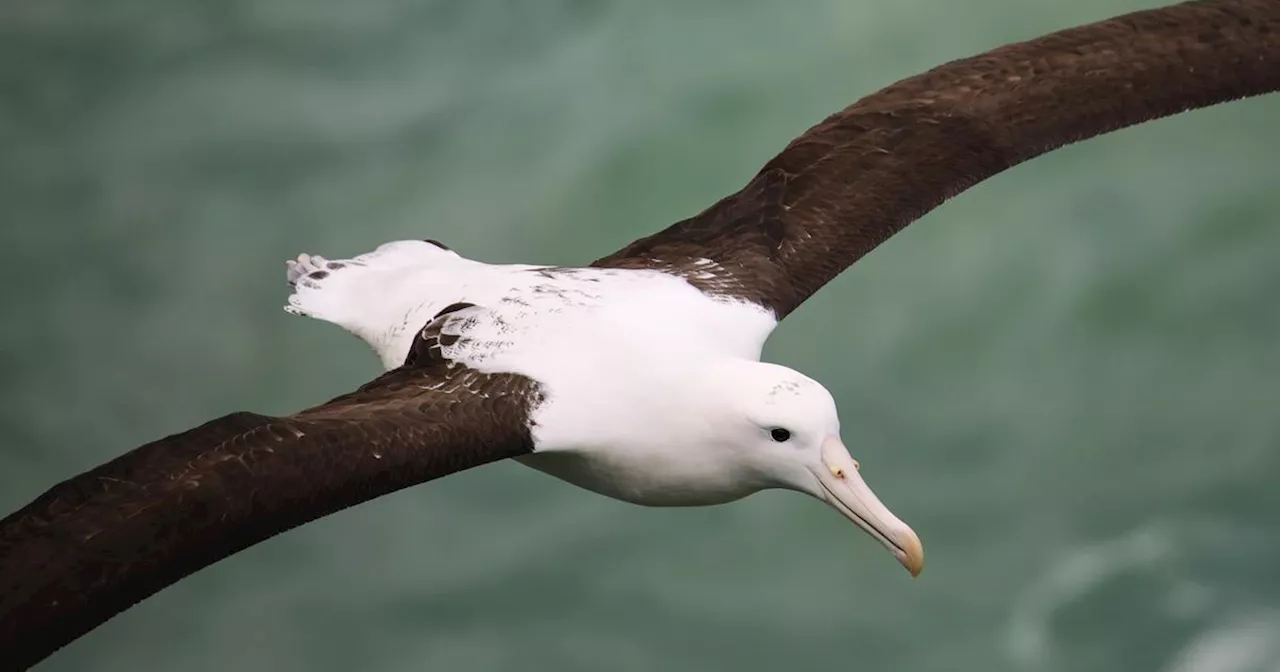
{"x":779,"y":434}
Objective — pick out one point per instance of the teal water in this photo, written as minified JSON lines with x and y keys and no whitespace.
{"x":1067,"y":379}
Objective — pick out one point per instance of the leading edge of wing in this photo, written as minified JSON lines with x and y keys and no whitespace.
{"x":850,"y":182}
{"x":101,"y":541}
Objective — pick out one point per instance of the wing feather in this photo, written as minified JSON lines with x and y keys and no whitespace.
{"x":98,"y":543}
{"x":852,"y":181}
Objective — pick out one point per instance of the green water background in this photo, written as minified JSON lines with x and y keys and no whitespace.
{"x":1067,"y":379}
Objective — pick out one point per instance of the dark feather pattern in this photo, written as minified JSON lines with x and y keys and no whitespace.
{"x":863,"y":174}
{"x":432,"y":340}
{"x":98,"y":543}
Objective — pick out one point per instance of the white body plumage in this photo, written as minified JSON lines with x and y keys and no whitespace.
{"x":615,"y":350}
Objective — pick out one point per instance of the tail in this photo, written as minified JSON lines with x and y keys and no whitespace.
{"x":376,"y":296}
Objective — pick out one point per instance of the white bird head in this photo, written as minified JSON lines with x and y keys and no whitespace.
{"x":720,"y":430}
{"x":789,"y":429}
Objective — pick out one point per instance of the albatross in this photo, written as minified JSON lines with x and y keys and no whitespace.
{"x":637,"y":376}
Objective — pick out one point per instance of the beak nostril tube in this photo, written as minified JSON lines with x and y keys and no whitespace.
{"x":845,"y":490}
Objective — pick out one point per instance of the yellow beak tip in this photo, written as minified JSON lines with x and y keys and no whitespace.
{"x":913,"y":557}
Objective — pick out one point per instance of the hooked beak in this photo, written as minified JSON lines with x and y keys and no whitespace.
{"x":844,"y":489}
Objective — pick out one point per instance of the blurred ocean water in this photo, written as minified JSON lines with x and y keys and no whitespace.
{"x":1067,"y":379}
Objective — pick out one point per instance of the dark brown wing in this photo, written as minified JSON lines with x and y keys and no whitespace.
{"x":863,"y":174}
{"x":100,"y":542}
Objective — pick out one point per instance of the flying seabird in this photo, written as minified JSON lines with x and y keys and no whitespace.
{"x":637,"y":376}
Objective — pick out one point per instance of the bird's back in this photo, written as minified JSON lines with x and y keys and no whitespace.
{"x":524,"y":314}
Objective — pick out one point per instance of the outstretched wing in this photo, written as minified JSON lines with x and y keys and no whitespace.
{"x":98,"y":543}
{"x":864,"y":173}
